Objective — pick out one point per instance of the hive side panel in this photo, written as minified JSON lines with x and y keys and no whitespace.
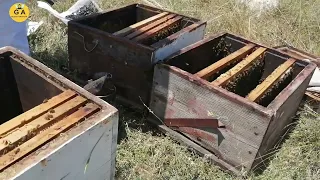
{"x":91,"y":50}
{"x":87,"y":152}
{"x":128,"y":63}
{"x":182,"y":40}
{"x":283,"y":116}
{"x":176,"y":97}
{"x":228,"y":148}
{"x":33,"y":89}
{"x":115,"y":125}
{"x":9,"y":95}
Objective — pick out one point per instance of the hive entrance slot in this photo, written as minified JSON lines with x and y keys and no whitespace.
{"x":30,"y":130}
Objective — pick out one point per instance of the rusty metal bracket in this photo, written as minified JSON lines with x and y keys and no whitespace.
{"x":193,"y":122}
{"x":191,"y":126}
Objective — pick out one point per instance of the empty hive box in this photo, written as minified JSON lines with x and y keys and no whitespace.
{"x":231,"y":96}
{"x":50,"y":127}
{"x":127,"y":42}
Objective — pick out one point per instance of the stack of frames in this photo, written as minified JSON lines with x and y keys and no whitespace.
{"x":46,"y":119}
{"x":241,"y":72}
{"x":153,"y":29}
{"x":30,"y":130}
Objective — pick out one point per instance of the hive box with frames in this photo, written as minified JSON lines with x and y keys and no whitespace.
{"x":126,"y":42}
{"x":312,"y":97}
{"x":229,"y":95}
{"x":50,"y":127}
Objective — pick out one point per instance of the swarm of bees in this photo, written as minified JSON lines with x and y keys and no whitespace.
{"x":220,"y":51}
{"x":276,"y":88}
{"x":163,"y":33}
{"x":247,"y":80}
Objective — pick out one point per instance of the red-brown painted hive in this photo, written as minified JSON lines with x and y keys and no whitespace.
{"x":190,"y":95}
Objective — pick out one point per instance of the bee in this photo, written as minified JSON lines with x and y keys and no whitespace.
{"x":17,"y":151}
{"x":165,"y":33}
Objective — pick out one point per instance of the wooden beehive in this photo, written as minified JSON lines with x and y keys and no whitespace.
{"x":50,"y":127}
{"x":232,"y":97}
{"x":127,"y":42}
{"x":312,"y":98}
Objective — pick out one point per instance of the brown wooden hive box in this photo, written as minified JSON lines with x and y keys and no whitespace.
{"x":127,"y":42}
{"x":47,"y":119}
{"x":231,"y":96}
{"x":312,"y":98}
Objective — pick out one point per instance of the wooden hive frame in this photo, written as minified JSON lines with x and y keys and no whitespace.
{"x":141,"y":36}
{"x":183,"y":93}
{"x":28,"y":131}
{"x":237,"y":69}
{"x":56,"y":115}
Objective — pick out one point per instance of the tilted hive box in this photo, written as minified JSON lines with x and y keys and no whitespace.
{"x":127,"y":42}
{"x":50,"y":127}
{"x":231,"y":96}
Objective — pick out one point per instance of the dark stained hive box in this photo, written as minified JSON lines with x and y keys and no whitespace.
{"x":49,"y":125}
{"x":127,"y":42}
{"x":231,"y":96}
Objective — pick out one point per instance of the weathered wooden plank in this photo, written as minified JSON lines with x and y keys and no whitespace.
{"x":140,"y":24}
{"x":150,"y":26}
{"x":227,"y":148}
{"x":152,"y":32}
{"x":311,"y":95}
{"x":217,"y":66}
{"x":37,"y":111}
{"x":226,"y":145}
{"x":175,"y":42}
{"x":40,"y":123}
{"x":255,"y":94}
{"x":240,"y":67}
{"x":45,"y":136}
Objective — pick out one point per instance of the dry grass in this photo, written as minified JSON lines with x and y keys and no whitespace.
{"x":145,"y":154}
